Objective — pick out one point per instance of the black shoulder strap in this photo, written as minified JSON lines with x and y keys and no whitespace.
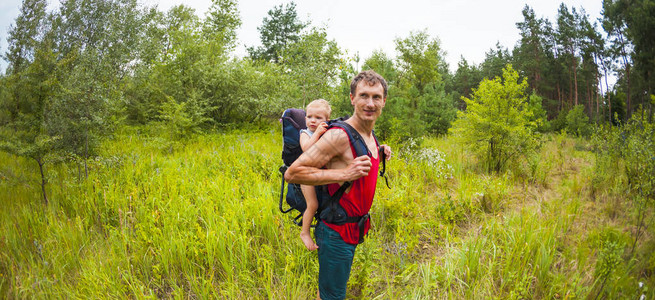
{"x":383,"y":159}
{"x":356,"y":139}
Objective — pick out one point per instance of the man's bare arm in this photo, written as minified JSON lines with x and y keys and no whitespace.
{"x":333,"y":144}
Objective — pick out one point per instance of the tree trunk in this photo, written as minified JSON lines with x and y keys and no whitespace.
{"x":86,"y":154}
{"x":575,"y":79}
{"x":537,"y":74}
{"x":570,"y":100}
{"x":628,"y":112}
{"x":559,"y":97}
{"x":609,"y":97}
{"x":648,"y":99}
{"x":43,"y":179}
{"x":627,"y":73}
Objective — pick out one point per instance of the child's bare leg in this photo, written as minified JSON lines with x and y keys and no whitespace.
{"x":312,"y":205}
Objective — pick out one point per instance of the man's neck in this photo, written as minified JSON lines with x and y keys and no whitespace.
{"x":364,"y":128}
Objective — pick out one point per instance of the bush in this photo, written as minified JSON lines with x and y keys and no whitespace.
{"x":500,"y":122}
{"x":559,"y":123}
{"x":577,"y":122}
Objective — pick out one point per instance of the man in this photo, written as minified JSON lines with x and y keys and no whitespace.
{"x":334,"y":151}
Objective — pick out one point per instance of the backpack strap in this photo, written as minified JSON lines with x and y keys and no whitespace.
{"x":283,"y":169}
{"x":383,"y":158}
{"x":358,"y":143}
{"x":356,"y":139}
{"x":360,"y":146}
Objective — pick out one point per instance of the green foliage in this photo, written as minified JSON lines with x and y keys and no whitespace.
{"x":222,"y":22}
{"x":182,"y":119}
{"x":634,"y":143}
{"x":313,"y":64}
{"x":577,"y":121}
{"x":383,"y":65}
{"x":466,"y":78}
{"x":499,"y":122}
{"x":281,"y":28}
{"x":437,"y":110}
{"x":495,"y":62}
{"x":420,"y":59}
{"x":625,"y":158}
{"x":559,"y":123}
{"x":608,"y":261}
{"x":23,"y":36}
{"x":417,"y":102}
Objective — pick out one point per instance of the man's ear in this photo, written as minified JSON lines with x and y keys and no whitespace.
{"x":351,"y":99}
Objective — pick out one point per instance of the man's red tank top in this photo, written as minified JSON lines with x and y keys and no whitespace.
{"x":357,"y":201}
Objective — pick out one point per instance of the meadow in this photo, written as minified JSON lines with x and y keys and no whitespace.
{"x":198,"y":218}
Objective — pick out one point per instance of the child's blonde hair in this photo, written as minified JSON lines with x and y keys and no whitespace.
{"x":322,"y":104}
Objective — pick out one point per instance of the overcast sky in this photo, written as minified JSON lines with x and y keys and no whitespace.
{"x":467,"y":28}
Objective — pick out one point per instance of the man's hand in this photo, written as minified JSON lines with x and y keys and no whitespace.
{"x":358,"y":168}
{"x":387,"y":151}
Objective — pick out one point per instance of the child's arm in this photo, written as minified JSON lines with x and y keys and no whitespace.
{"x":307,"y":142}
{"x":312,"y":205}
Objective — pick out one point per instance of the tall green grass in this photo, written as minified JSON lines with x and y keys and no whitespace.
{"x":198,"y":218}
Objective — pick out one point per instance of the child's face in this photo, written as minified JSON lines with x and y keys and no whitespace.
{"x":314,"y":117}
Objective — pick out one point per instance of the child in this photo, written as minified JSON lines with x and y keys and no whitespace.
{"x":318,"y":112}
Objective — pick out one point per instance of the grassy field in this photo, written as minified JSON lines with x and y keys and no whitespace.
{"x":198,"y":219}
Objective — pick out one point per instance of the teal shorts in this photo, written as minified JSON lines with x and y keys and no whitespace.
{"x":335,"y":258}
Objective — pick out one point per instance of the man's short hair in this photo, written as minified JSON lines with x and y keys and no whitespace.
{"x":371,"y":78}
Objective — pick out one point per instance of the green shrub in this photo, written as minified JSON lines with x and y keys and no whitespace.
{"x":577,"y":121}
{"x":500,"y":122}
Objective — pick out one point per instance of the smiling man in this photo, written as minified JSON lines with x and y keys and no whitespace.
{"x":332,"y":161}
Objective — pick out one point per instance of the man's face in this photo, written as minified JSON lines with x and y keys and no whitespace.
{"x":368,"y":100}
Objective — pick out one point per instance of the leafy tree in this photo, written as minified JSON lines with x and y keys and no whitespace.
{"x":281,"y":28}
{"x":97,"y":54}
{"x":24,"y":39}
{"x":313,"y":63}
{"x":420,"y":59}
{"x":499,"y":121}
{"x":29,"y":132}
{"x":25,"y":34}
{"x":29,"y":89}
{"x":421,"y":65}
{"x":221,"y":23}
{"x":383,"y":65}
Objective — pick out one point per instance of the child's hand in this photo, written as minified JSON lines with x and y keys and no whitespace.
{"x":322,"y":128}
{"x":387,"y":151}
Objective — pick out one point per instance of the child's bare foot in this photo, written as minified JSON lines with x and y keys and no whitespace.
{"x":308,"y":241}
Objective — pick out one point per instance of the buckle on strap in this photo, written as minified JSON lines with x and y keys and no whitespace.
{"x":362,"y":224}
{"x":362,"y":221}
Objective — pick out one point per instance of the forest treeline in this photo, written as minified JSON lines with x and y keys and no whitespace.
{"x":77,"y":72}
